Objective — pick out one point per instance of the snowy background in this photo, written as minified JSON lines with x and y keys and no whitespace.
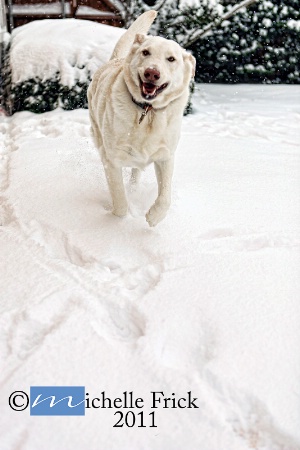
{"x":208,"y":301}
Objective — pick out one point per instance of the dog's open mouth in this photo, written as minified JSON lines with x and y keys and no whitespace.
{"x":149,"y":91}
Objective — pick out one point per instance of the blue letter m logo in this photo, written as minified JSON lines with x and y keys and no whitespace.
{"x":57,"y":400}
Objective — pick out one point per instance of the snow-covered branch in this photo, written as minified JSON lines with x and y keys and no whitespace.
{"x":204,"y":31}
{"x":158,"y":5}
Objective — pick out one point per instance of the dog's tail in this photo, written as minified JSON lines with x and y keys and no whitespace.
{"x":141,"y":25}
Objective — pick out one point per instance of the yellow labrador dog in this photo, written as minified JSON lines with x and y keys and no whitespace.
{"x":136,"y":104}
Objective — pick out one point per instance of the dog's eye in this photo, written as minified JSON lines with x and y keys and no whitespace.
{"x":146,"y":52}
{"x":171,"y":59}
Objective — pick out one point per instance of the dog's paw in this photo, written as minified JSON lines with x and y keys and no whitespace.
{"x":120,"y":212}
{"x":156,"y":214}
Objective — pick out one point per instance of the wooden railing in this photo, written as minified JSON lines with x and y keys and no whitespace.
{"x":20,"y":12}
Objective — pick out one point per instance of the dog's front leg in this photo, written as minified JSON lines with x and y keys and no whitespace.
{"x":158,"y":211}
{"x":116,"y":187}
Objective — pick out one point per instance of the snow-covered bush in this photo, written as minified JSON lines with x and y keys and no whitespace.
{"x":51,"y":63}
{"x":5,"y":75}
{"x":179,"y":20}
{"x":258,"y":44}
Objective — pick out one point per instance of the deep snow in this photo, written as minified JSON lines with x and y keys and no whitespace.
{"x":208,"y":301}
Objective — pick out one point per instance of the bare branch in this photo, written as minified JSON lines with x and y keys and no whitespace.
{"x":204,"y":31}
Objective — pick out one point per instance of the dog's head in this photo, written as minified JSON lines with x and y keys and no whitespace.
{"x":157,"y":70}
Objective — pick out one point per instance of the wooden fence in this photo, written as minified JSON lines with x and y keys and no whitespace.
{"x":19,"y":12}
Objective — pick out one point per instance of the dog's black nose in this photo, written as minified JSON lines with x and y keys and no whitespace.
{"x":151,"y":74}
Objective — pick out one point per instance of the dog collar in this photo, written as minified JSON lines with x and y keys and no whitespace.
{"x":145,"y":106}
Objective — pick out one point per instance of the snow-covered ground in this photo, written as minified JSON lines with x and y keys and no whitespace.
{"x":207,"y":302}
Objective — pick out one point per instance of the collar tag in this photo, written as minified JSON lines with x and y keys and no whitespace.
{"x":144,"y":113}
{"x":145,"y":106}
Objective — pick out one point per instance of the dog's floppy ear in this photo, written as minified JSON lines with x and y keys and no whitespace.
{"x":139,"y":38}
{"x":191,"y":61}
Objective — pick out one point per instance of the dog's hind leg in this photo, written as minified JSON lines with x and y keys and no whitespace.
{"x":164,"y":173}
{"x":116,"y":187}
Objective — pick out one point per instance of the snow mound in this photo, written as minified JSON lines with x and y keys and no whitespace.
{"x":76,"y":49}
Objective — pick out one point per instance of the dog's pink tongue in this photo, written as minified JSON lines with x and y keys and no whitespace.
{"x":149,"y":89}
